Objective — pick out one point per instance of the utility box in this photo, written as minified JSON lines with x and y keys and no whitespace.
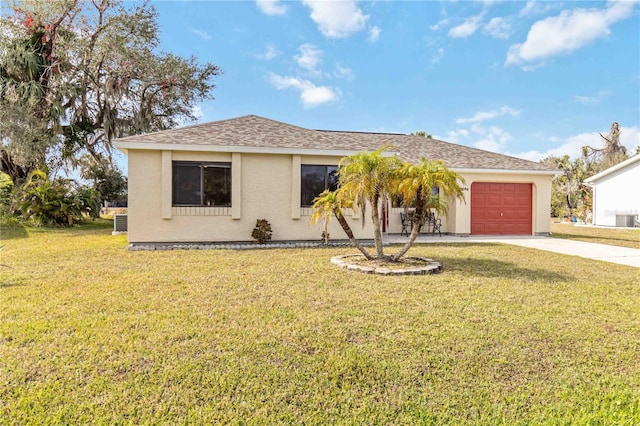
{"x":119,"y":224}
{"x":626,"y":220}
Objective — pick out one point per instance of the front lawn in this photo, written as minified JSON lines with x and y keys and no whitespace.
{"x":92,"y":333}
{"x":612,"y":236}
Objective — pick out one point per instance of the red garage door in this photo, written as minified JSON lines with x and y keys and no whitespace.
{"x":500,"y":208}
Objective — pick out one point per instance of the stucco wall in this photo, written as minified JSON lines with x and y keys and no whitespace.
{"x":617,"y":194}
{"x":268,"y":186}
{"x":262,"y":187}
{"x":460,"y":212}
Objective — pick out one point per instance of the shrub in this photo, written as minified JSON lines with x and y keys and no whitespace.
{"x":262,"y":232}
{"x":6,"y":189}
{"x":54,"y":202}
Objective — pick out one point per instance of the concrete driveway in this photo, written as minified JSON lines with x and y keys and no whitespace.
{"x":607,"y":253}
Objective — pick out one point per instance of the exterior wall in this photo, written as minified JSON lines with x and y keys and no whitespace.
{"x":460,"y":211}
{"x":268,"y":186}
{"x":616,"y":194}
{"x":263,"y":186}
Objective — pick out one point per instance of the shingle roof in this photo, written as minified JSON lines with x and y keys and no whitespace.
{"x":254,"y":131}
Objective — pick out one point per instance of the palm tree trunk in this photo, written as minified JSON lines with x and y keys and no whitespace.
{"x":347,"y":230}
{"x":377,"y":231}
{"x":418,"y":221}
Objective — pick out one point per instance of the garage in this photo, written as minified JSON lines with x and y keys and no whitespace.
{"x":500,"y":208}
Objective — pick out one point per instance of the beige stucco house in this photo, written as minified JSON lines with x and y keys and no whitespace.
{"x":211,"y":182}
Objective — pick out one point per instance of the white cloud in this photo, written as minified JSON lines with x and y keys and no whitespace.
{"x":374,"y":34}
{"x":498,"y":28}
{"x":270,"y":53}
{"x":567,"y":32}
{"x":488,"y":115}
{"x":344,"y":73}
{"x":467,"y":28}
{"x":309,"y":58}
{"x":495,"y":139}
{"x":337,"y":19}
{"x":528,"y":9}
{"x":271,"y":7}
{"x":572,"y":146}
{"x":591,"y":100}
{"x":438,"y":56}
{"x":537,"y":8}
{"x":454,"y":135}
{"x":202,"y":34}
{"x":310,"y":94}
{"x":441,"y":23}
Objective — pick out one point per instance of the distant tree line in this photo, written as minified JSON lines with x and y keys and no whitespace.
{"x":570,"y":196}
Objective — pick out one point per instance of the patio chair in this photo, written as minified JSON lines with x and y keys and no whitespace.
{"x":407,"y":223}
{"x":434,"y":223}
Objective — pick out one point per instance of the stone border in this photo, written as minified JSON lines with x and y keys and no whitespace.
{"x":243,"y":245}
{"x":432,"y":266}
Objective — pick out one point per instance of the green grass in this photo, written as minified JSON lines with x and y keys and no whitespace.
{"x":92,"y":333}
{"x":611,"y":236}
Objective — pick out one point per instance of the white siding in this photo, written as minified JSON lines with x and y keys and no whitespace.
{"x":617,"y":194}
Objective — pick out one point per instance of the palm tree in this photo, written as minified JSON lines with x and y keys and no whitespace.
{"x":328,"y":203}
{"x":367,"y":178}
{"x":416,"y":183}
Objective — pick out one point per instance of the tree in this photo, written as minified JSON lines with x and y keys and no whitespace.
{"x":106,"y":178}
{"x":370,"y":179}
{"x":567,"y":186}
{"x":421,"y":133}
{"x":76,"y":74}
{"x":367,"y":178}
{"x":613,"y":152}
{"x":328,"y":203}
{"x":416,"y":184}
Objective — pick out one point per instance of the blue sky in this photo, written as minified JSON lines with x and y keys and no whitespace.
{"x":527,"y":79}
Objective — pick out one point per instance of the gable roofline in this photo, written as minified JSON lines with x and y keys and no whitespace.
{"x":251,"y":133}
{"x":612,"y":169}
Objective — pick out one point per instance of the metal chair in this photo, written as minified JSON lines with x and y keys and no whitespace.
{"x":434,"y":223}
{"x":407,"y":223}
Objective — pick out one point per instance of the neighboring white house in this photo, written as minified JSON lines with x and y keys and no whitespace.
{"x":616,"y":194}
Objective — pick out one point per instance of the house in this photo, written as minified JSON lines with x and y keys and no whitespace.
{"x":616,"y":194}
{"x":211,"y":182}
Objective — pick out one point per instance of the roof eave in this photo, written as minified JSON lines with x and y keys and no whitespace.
{"x":504,"y":171}
{"x":612,"y":169}
{"x":243,"y":149}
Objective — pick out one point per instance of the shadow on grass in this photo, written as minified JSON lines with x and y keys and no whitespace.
{"x":12,"y":231}
{"x":493,"y":268}
{"x":11,"y":284}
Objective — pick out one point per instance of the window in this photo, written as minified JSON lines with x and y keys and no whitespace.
{"x":201,"y":184}
{"x":316,"y":179}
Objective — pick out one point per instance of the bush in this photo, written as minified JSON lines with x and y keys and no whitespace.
{"x":54,"y":202}
{"x":6,"y":189}
{"x":262,"y":232}
{"x":88,"y":200}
